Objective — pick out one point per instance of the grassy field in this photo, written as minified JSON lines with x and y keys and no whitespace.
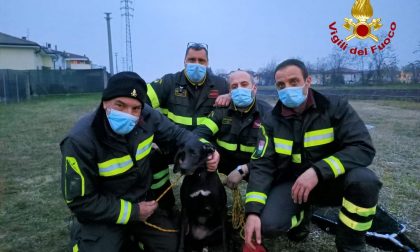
{"x":33,"y":216}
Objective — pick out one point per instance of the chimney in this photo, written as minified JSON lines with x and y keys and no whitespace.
{"x":24,"y":38}
{"x":56,"y":47}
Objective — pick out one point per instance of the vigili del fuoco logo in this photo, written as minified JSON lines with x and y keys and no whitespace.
{"x":362,"y":29}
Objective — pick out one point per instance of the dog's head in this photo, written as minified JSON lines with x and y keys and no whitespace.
{"x":192,"y":156}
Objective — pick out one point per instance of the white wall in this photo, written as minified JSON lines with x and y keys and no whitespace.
{"x":19,"y":59}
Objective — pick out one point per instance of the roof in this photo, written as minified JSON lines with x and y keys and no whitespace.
{"x":68,"y":55}
{"x":64,"y":54}
{"x":7,"y":40}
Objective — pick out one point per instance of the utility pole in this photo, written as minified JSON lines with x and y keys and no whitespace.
{"x":128,"y":53}
{"x":111,"y":64}
{"x":116,"y":62}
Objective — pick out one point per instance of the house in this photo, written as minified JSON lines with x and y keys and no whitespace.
{"x":66,"y":60}
{"x":344,"y":75}
{"x":22,"y":54}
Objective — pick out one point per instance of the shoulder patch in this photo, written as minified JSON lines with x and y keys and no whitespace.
{"x":259,"y":150}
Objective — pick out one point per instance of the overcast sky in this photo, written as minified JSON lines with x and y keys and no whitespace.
{"x":244,"y":34}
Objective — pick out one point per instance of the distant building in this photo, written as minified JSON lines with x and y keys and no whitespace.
{"x":347,"y":75}
{"x":22,"y":54}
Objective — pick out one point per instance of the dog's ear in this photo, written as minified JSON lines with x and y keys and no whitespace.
{"x":208,"y":148}
{"x":179,"y":157}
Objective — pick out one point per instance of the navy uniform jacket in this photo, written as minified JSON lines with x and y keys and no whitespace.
{"x":329,"y":136}
{"x":183,"y":103}
{"x":234,"y":133}
{"x":104,"y":175}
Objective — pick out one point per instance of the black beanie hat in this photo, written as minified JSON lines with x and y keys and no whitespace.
{"x":125,"y":84}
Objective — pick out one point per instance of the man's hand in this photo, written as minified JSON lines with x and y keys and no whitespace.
{"x":222,"y":100}
{"x":213,"y":161}
{"x":252,"y":226}
{"x":235,"y":177}
{"x":304,"y":185}
{"x":147,"y":208}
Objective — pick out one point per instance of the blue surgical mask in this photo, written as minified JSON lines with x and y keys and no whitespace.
{"x":241,"y":97}
{"x":195,"y":72}
{"x":292,"y":97}
{"x":121,"y":123}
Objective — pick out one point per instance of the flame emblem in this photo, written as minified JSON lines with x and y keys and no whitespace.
{"x":362,"y":11}
{"x":134,"y":93}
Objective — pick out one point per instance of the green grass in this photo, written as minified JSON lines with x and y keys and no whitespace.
{"x":33,"y":215}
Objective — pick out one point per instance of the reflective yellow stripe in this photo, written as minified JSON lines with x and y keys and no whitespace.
{"x":144,"y":148}
{"x":180,"y":119}
{"x":75,"y":248}
{"x":245,"y":148}
{"x":154,"y":99}
{"x":318,"y":137}
{"x":160,"y":174}
{"x":209,"y":124}
{"x":160,"y":183}
{"x":125,"y":212}
{"x":256,"y":197}
{"x":75,"y":166}
{"x":296,"y":222}
{"x":164,"y":111}
{"x":296,"y":158}
{"x":283,"y":146}
{"x":361,"y":211}
{"x":335,"y":165}
{"x":203,"y":140}
{"x":201,"y":120}
{"x":358,"y":226}
{"x":226,"y":145}
{"x":115,"y":166}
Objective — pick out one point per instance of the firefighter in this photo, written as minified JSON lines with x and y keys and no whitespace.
{"x":234,"y":129}
{"x":314,"y":149}
{"x":186,"y":98}
{"x":106,"y":175}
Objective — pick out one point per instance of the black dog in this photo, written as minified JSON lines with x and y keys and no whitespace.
{"x":203,"y":200}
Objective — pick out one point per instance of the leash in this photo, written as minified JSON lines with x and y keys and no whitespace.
{"x":238,"y":212}
{"x":238,"y":208}
{"x":157,"y":200}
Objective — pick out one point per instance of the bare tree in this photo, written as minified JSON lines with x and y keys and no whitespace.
{"x":417,"y":49}
{"x":360,"y":62}
{"x":266,"y":74}
{"x":382,"y":61}
{"x":337,"y":60}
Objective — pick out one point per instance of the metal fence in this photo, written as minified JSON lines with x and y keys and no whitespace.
{"x":19,"y":85}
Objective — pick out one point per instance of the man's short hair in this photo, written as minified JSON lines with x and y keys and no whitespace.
{"x":251,"y":76}
{"x":293,"y":62}
{"x":197,"y":47}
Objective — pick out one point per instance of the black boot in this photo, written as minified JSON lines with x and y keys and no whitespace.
{"x":300,"y":232}
{"x":347,"y":240}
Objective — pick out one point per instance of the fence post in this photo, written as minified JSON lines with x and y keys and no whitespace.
{"x":105,"y":77}
{"x":28,"y":88}
{"x":17,"y":88}
{"x":4,"y":87}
